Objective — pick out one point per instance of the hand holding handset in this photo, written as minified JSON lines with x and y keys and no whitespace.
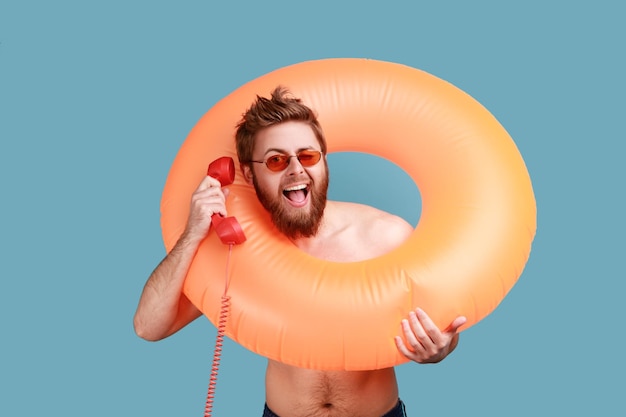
{"x":227,"y":228}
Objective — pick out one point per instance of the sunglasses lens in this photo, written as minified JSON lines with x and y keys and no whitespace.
{"x":277,"y":162}
{"x":309,"y":158}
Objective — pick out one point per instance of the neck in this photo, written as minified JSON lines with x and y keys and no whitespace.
{"x":326,"y":229}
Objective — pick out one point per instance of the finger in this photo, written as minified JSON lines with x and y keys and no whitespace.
{"x":403,"y":348}
{"x":409,"y":336}
{"x":414,"y":333}
{"x":215,"y":205}
{"x":210,"y":207}
{"x":208,"y":182}
{"x":456,"y":323}
{"x":208,"y":197}
{"x":208,"y":201}
{"x":424,"y":327}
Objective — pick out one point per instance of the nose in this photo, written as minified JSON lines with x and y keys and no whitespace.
{"x":294,"y":167}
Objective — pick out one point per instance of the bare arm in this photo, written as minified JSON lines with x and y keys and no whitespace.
{"x":163,"y":309}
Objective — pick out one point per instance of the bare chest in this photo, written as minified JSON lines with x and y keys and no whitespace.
{"x":346,"y":247}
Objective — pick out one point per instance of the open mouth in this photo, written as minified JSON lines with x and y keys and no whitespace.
{"x":297,"y":193}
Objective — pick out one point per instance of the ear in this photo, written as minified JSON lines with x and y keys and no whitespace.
{"x":247,"y":172}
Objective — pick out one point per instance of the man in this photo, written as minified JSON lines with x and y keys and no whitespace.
{"x":282,"y":153}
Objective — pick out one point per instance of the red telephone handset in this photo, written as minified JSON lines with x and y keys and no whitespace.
{"x":227,"y":228}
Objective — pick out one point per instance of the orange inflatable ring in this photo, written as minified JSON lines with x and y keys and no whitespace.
{"x":470,"y":246}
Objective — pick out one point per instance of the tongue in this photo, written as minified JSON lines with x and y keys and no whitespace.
{"x":296,"y":196}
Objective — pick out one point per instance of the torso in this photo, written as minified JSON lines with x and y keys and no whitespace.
{"x":297,"y":392}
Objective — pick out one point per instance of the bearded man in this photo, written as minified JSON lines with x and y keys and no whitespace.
{"x":282,"y":153}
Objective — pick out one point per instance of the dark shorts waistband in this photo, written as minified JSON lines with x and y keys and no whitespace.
{"x":397,"y":411}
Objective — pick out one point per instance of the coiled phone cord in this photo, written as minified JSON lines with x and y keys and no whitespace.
{"x":221,"y":330}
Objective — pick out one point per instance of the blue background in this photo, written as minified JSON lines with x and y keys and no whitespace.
{"x":96,"y":98}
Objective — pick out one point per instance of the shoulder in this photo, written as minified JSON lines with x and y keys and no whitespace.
{"x":364,"y":213}
{"x":373,"y":224}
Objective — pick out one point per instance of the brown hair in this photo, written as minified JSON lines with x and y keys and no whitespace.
{"x":263,"y":113}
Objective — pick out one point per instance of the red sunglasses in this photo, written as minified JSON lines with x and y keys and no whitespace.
{"x":279,"y":162}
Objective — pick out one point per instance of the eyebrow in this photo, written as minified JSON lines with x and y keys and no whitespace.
{"x":284,"y":152}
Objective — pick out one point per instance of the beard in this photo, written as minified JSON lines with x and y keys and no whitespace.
{"x":295,"y":223}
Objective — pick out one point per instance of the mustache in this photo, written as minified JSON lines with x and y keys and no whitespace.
{"x":298,"y":180}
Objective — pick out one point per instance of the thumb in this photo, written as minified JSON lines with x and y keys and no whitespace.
{"x":226,"y":192}
{"x":456,"y":323}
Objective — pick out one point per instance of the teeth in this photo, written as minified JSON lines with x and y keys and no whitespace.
{"x":296,"y":187}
